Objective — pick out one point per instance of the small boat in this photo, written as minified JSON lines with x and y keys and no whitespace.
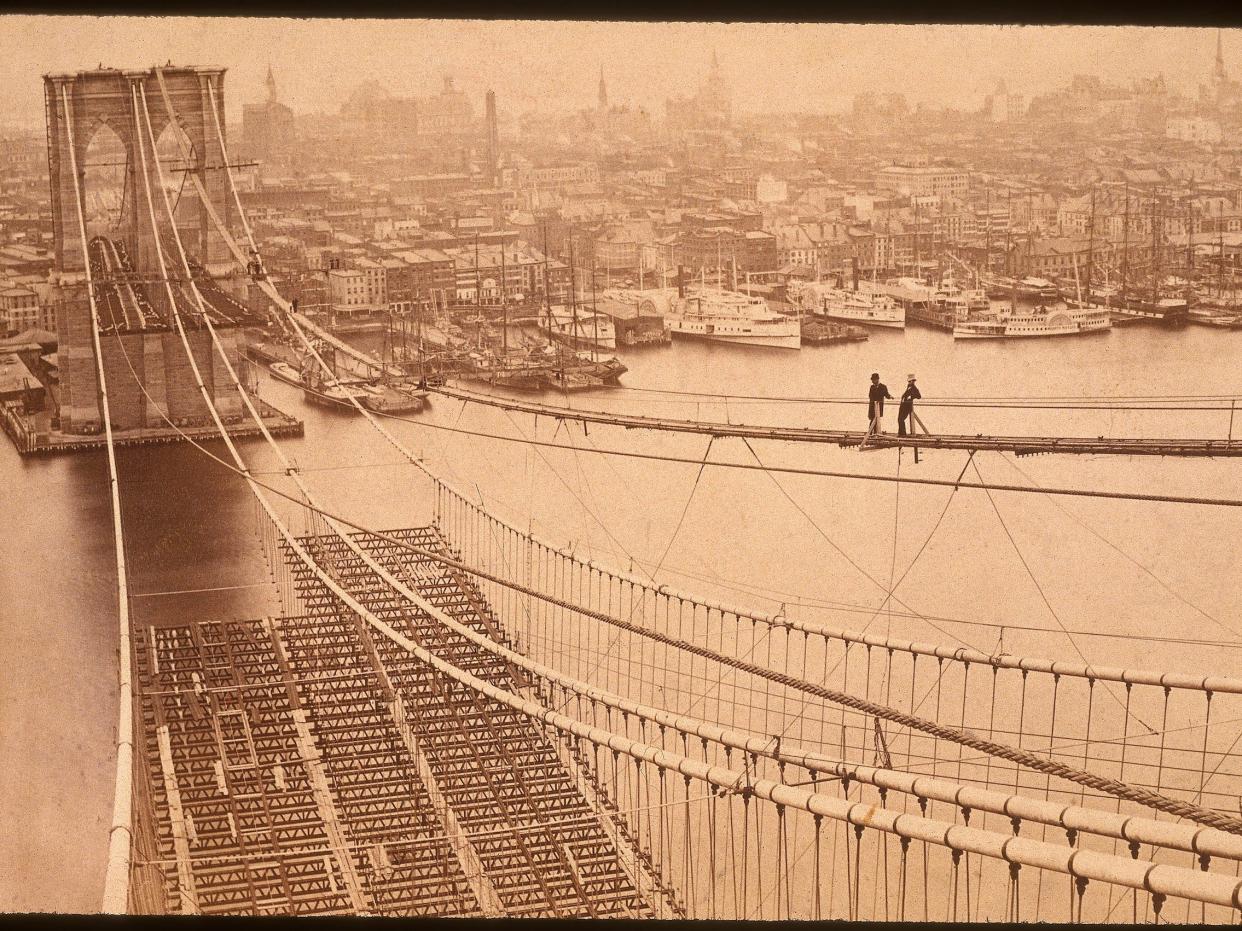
{"x":1037,"y":289}
{"x":285,"y":372}
{"x":387,"y":399}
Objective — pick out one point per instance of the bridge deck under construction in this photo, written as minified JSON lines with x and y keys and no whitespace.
{"x":1021,"y":445}
{"x":299,"y":764}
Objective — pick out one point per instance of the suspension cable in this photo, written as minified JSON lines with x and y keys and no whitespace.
{"x":120,"y":833}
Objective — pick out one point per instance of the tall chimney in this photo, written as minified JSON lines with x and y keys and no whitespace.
{"x":681,"y":281}
{"x":493,"y":142}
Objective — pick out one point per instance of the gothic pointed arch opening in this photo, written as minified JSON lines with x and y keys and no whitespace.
{"x":177,"y":157}
{"x":107,"y":174}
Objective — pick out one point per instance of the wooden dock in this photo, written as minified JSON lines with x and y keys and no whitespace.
{"x":31,"y":441}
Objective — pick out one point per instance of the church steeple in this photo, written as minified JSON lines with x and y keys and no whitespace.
{"x":1220,"y":57}
{"x":271,"y":84}
{"x":603,"y":90}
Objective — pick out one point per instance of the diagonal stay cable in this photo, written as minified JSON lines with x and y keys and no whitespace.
{"x":824,"y":534}
{"x":604,"y":654}
{"x":1048,"y":604}
{"x":1026,"y":758}
{"x":535,"y":444}
{"x":1099,"y":536}
{"x":893,"y":588}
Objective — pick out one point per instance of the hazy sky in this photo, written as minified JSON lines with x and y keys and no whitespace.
{"x":554,"y":64}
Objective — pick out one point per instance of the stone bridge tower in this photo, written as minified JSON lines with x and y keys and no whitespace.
{"x":79,"y":106}
{"x":106,"y":97}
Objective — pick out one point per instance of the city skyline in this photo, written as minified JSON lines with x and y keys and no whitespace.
{"x":317,"y":63}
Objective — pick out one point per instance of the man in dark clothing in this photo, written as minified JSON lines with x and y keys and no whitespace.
{"x":906,"y":409}
{"x":875,"y":401}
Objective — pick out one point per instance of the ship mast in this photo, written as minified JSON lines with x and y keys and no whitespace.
{"x":1190,"y":249}
{"x":504,"y":306}
{"x":594,"y":315}
{"x":1009,"y":233}
{"x":1155,"y":253}
{"x":1090,"y":243}
{"x":1220,"y":252}
{"x":1125,"y":246}
{"x":987,"y":233}
{"x":422,"y":364}
{"x":573,"y":299}
{"x":918,"y":269}
{"x":547,"y":282}
{"x":478,"y":289}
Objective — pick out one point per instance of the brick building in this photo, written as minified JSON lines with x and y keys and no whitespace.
{"x":19,"y":310}
{"x":425,"y":278}
{"x":722,"y":248}
{"x":478,"y":274}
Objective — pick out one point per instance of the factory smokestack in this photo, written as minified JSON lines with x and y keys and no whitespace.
{"x":493,"y":142}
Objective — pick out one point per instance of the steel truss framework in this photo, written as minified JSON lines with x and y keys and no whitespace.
{"x":285,"y":774}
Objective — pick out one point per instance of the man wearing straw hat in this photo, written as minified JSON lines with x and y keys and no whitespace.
{"x":905,"y":410}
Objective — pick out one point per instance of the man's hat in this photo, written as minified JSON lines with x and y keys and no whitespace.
{"x":875,"y":374}
{"x":909,"y":378}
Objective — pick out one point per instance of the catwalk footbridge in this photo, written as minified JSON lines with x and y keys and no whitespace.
{"x":1021,"y":445}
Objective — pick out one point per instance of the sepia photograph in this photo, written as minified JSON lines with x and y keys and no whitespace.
{"x":616,"y":469}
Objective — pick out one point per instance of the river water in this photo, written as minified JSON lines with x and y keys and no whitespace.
{"x":1126,"y":578}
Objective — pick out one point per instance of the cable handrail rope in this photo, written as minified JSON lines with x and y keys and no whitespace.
{"x":965,"y":399}
{"x":1218,"y":843}
{"x":1213,"y":888}
{"x":1170,"y":680}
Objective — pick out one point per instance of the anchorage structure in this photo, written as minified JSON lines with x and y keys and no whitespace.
{"x":465,"y":719}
